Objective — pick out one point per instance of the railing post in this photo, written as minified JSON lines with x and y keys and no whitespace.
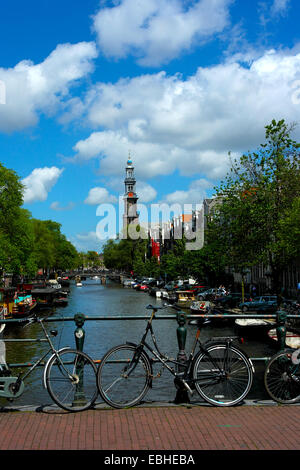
{"x":281,"y":329}
{"x":79,"y":333}
{"x":182,"y":394}
{"x":79,"y":397}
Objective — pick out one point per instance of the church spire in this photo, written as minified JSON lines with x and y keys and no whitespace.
{"x":130,"y":196}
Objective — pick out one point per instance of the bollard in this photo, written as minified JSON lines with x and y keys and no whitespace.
{"x":281,"y":329}
{"x":79,"y":397}
{"x":182,"y":394}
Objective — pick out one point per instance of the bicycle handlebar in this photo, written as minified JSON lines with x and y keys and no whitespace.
{"x":36,"y":319}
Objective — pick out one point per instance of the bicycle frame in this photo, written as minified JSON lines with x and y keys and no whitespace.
{"x":5,"y":393}
{"x":162,"y":358}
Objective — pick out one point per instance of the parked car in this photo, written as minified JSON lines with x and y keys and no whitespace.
{"x":208,"y":294}
{"x":144,"y":287}
{"x":264,"y":303}
{"x":128,"y":282}
{"x":231,"y":300}
{"x":172,"y":285}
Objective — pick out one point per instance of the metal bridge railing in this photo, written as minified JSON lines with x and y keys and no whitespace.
{"x":79,"y":319}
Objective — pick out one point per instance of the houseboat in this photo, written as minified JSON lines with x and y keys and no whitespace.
{"x":23,"y":305}
{"x":7,"y":301}
{"x":44,"y":297}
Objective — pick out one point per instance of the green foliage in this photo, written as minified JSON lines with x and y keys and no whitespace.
{"x":27,"y":244}
{"x":51,"y":249}
{"x":259,"y":199}
{"x":125,"y":254}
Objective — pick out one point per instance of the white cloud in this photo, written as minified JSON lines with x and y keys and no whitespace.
{"x":194,"y":195}
{"x":87,"y":241}
{"x":99,"y":196}
{"x":146,"y":192}
{"x":279,"y":7}
{"x":157,"y":31}
{"x":39,"y":183}
{"x":170,"y":123}
{"x":57,"y":207}
{"x":272,"y":12}
{"x":41,"y":88}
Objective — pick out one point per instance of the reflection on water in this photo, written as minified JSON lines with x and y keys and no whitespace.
{"x":94,"y":299}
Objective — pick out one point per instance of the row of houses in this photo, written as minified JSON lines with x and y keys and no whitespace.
{"x":257,"y":279}
{"x":193,"y":224}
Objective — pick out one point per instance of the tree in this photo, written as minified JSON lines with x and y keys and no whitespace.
{"x":259,"y":196}
{"x":126,"y":254}
{"x":27,"y":244}
{"x":16,"y":236}
{"x":51,"y":249}
{"x":43,"y":247}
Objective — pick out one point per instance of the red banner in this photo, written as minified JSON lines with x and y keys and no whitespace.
{"x":155,"y":249}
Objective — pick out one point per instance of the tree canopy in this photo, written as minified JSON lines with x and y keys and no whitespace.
{"x":28,"y":244}
{"x":260,"y":202}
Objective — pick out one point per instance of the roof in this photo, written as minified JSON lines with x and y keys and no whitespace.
{"x":187,"y":217}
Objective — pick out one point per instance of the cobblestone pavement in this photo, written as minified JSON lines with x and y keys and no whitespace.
{"x":172,"y":428}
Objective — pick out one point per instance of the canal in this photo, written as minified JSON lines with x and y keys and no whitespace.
{"x":95,"y":299}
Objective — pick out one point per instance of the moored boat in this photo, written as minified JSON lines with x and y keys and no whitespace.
{"x":64,"y":281}
{"x":61,"y":299}
{"x":54,"y":284}
{"x":253,"y":326}
{"x":2,"y":325}
{"x":23,"y":305}
{"x":185,"y":298}
{"x":198,"y":306}
{"x":44,"y":297}
{"x":7,"y":301}
{"x":292,"y":338}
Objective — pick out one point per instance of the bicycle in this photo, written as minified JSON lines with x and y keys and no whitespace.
{"x":69,"y":376}
{"x":282,"y":372}
{"x":282,"y":378}
{"x":220,"y":372}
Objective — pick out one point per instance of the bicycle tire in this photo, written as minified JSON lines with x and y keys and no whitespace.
{"x":118,"y":389}
{"x":282,"y":378}
{"x":228,"y":387}
{"x":74,"y":395}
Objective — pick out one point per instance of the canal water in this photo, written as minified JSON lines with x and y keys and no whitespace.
{"x":94,"y":300}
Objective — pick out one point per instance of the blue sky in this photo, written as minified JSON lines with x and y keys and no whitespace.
{"x":178,"y":83}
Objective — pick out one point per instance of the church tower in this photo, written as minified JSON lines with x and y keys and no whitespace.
{"x":130,"y":197}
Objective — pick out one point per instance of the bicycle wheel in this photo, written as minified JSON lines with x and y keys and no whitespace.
{"x":124,"y":376}
{"x":223,"y":374}
{"x":71,"y":380}
{"x":282,"y":378}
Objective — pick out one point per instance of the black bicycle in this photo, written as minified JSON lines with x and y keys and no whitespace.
{"x":220,"y":372}
{"x":69,"y":376}
{"x":282,"y":376}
